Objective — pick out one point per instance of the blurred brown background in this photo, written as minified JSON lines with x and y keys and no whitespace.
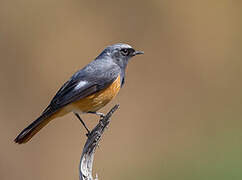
{"x":180,"y":115}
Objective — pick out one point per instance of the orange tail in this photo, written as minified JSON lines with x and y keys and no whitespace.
{"x":32,"y":129}
{"x":36,"y":126}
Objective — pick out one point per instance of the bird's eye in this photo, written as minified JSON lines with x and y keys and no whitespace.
{"x":125,"y":52}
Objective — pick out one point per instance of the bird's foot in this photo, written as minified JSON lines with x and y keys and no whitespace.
{"x":102,"y":115}
{"x":88,"y":134}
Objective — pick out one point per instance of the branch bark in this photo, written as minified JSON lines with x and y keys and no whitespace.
{"x":87,"y":157}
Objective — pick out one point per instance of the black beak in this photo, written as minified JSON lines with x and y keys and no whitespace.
{"x":137,"y":53}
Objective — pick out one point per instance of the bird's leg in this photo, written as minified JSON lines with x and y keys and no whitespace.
{"x":97,"y":113}
{"x":77,"y":115}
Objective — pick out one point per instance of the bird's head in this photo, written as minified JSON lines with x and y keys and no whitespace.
{"x":121,"y":53}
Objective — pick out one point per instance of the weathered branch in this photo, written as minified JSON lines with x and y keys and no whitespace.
{"x":85,"y":166}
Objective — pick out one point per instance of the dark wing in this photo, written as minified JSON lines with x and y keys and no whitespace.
{"x":84,"y":83}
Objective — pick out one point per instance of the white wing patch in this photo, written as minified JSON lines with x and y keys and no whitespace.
{"x":80,"y":84}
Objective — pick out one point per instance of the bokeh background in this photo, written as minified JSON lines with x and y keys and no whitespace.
{"x":180,"y":114}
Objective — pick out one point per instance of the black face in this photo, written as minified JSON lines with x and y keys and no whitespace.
{"x":127,"y":51}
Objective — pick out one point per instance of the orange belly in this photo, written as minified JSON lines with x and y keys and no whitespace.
{"x":93,"y":102}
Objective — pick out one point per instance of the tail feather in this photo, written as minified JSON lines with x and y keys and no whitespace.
{"x":34,"y":128}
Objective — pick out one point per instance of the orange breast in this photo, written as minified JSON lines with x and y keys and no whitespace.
{"x":96,"y":101}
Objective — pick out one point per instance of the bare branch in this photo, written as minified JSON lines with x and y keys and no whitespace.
{"x":85,"y":166}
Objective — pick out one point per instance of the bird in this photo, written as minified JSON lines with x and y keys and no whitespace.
{"x":87,"y":90}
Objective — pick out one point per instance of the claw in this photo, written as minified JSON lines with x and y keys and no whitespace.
{"x":88,"y":134}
